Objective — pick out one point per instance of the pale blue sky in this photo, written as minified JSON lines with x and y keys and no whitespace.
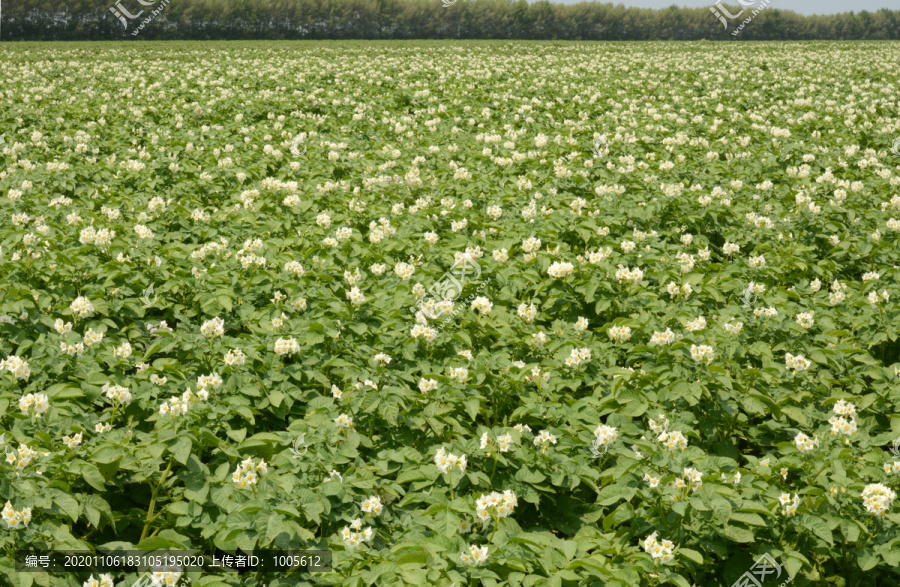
{"x":800,"y":6}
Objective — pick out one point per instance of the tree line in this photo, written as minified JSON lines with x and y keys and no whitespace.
{"x":46,"y":20}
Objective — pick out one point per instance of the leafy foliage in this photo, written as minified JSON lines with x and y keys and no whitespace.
{"x":611,"y":367}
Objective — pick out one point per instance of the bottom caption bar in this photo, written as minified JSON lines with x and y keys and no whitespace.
{"x":38,"y":561}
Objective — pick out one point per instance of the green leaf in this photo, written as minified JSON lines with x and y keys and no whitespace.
{"x":749,"y":519}
{"x":795,"y":414}
{"x":225,"y":302}
{"x":867,"y":559}
{"x":93,"y":476}
{"x":447,"y":523}
{"x":819,"y":527}
{"x":237,"y":435}
{"x":619,"y":516}
{"x":409,"y":555}
{"x":108,"y":460}
{"x":274,"y":527}
{"x":736,"y":533}
{"x":472,"y":406}
{"x":720,"y":506}
{"x":181,"y":449}
{"x":67,"y":504}
{"x":793,"y":562}
{"x":157,"y":543}
{"x":527,"y":475}
{"x":691,"y":555}
{"x":613,"y":493}
{"x":276,"y":397}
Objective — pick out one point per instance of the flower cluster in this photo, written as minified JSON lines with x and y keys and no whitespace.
{"x":544,"y":439}
{"x":81,"y":307}
{"x":354,"y":534}
{"x":17,"y":366}
{"x":734,"y":327}
{"x":804,"y":443}
{"x":671,"y":440}
{"x":495,"y":506}
{"x":248,"y":472}
{"x":22,"y":457}
{"x":603,"y":437}
{"x":373,"y":505}
{"x":527,"y":312}
{"x":702,"y":353}
{"x":105,"y":580}
{"x":117,"y":393}
{"x":234,"y":357}
{"x":661,"y":551}
{"x":632,"y":275}
{"x":806,"y":319}
{"x":577,"y":357}
{"x":663,"y":338}
{"x":789,"y":504}
{"x":36,"y":403}
{"x":164,"y":578}
{"x":426,"y":385}
{"x":482,"y":305}
{"x":213,"y":328}
{"x":287,"y":346}
{"x":619,"y":333}
{"x":878,"y":498}
{"x":16,"y":519}
{"x":73,"y":441}
{"x":446,"y":461}
{"x":181,"y":405}
{"x":475,"y":556}
{"x":796,"y":363}
{"x":560,"y":270}
{"x":698,"y":324}
{"x":843,"y":423}
{"x":504,"y":442}
{"x":123,"y":350}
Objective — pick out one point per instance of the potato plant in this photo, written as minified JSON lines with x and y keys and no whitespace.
{"x":496,"y":314}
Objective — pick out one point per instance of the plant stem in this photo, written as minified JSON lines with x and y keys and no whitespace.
{"x":494,"y":470}
{"x":156,"y":489}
